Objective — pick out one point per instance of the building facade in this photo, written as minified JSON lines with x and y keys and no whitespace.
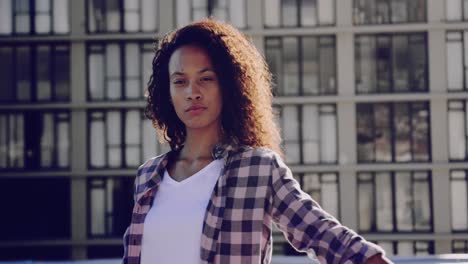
{"x":371,"y":96}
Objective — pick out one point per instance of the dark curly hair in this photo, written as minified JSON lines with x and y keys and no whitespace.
{"x":247,"y":114}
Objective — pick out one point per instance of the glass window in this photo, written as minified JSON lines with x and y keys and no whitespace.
{"x":34,"y":17}
{"x":297,"y":13}
{"x":302,"y":65}
{"x":407,"y":247}
{"x":123,"y":15}
{"x":231,"y":11}
{"x":309,"y":133}
{"x":456,"y":10}
{"x":393,"y":132}
{"x":35,"y":73}
{"x":459,"y":200}
{"x":47,"y":148}
{"x":323,"y":188}
{"x":391,"y":63}
{"x":459,"y":246}
{"x":110,"y":202}
{"x":388,"y":12}
{"x":119,"y":71}
{"x":458,"y":130}
{"x":395,"y":201}
{"x":44,"y":199}
{"x":121,"y":138}
{"x":457,"y":61}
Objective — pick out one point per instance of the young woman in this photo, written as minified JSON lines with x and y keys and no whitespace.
{"x":214,"y":197}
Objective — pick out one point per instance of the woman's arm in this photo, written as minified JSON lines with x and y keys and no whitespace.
{"x":308,"y":227}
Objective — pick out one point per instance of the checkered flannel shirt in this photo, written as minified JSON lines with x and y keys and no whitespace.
{"x":254,"y":190}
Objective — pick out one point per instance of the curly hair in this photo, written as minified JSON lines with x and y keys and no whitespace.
{"x":245,"y":80}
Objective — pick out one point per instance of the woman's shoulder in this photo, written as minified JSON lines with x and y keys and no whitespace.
{"x":259,"y":153}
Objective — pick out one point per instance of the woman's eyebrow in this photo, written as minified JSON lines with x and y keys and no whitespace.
{"x":178,"y":73}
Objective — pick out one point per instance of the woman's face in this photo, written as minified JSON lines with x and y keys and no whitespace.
{"x":194,"y":88}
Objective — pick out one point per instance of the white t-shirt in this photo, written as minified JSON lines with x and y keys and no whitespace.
{"x":173,"y":226}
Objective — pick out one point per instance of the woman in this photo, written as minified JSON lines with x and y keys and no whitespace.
{"x":214,"y":196}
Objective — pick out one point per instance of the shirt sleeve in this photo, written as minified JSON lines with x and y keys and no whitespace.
{"x":308,"y":227}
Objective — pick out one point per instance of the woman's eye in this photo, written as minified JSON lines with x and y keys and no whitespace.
{"x":178,"y":82}
{"x":207,"y":79}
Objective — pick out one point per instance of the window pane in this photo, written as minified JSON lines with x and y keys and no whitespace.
{"x":326,"y":11}
{"x":133,"y":137}
{"x":291,"y":133}
{"x":23,"y":74}
{"x":96,"y":15}
{"x":98,"y":212}
{"x":310,"y":65}
{"x":114,"y":139}
{"x":402,"y":132}
{"x":383,"y":144}
{"x":132,"y":71}
{"x":366,"y":78}
{"x":418,"y":62}
{"x":289,"y":13}
{"x":96,"y":76}
{"x":405,"y":248}
{"x":43,"y":73}
{"x":459,"y":201}
{"x":63,"y":139}
{"x":7,"y":93}
{"x":457,"y":138}
{"x":5,"y":17}
{"x":183,"y":12}
{"x":404,"y":204}
{"x":365,"y":133}
{"x":272,"y":13}
{"x":453,"y":9}
{"x":420,"y":134}
{"x":22,"y":16}
{"x":149,"y":140}
{"x":310,"y":132}
{"x":47,"y":141}
{"x":3,"y":141}
{"x":384,"y":202}
{"x":422,"y":207}
{"x":383,"y":63}
{"x":131,"y":16}
{"x":61,"y":20}
{"x":400,"y":63}
{"x":329,"y":134}
{"x":113,"y":71}
{"x":149,"y":15}
{"x":291,"y":67}
{"x":275,"y":62}
{"x":42,"y":16}
{"x":365,"y":199}
{"x":327,"y":66}
{"x":454,"y":63}
{"x":309,"y":12}
{"x":399,"y":11}
{"x":62,"y":73}
{"x":329,"y":192}
{"x":237,"y":12}
{"x":112,"y":15}
{"x":97,"y":141}
{"x":17,"y":156}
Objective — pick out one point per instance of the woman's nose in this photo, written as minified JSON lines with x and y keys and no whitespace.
{"x":193,"y":92}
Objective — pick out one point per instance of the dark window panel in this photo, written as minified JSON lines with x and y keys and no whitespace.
{"x":395,"y":63}
{"x":121,"y":139}
{"x":367,"y":12}
{"x":105,"y":252}
{"x":118,"y":71}
{"x":37,"y":253}
{"x":47,"y":148}
{"x":124,"y":16}
{"x":110,"y":202}
{"x":37,"y":195}
{"x":299,"y":13}
{"x":395,"y":201}
{"x":393,"y":132}
{"x":302,"y":65}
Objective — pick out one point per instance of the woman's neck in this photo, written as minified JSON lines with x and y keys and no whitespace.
{"x":199,"y":144}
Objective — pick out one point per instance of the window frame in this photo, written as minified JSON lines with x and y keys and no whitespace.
{"x":392,"y":174}
{"x":390,"y":11}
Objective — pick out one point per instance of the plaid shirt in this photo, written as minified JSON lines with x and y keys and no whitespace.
{"x":255,"y":189}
